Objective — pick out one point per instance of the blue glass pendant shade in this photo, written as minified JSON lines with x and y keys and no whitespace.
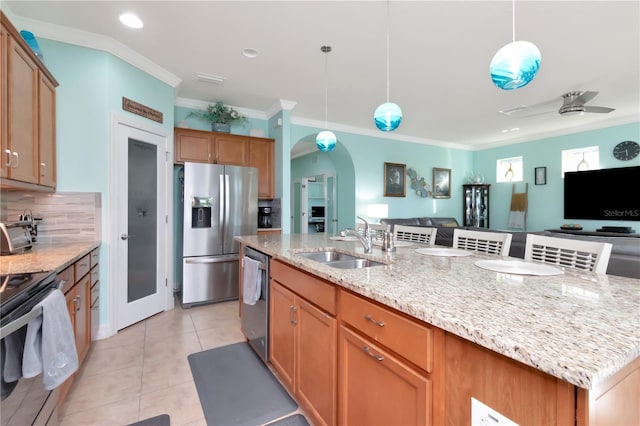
{"x":387,"y":117}
{"x":515,"y":65}
{"x":326,"y":141}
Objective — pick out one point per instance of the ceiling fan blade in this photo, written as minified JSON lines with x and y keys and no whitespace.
{"x":584,"y":98}
{"x":598,"y":109}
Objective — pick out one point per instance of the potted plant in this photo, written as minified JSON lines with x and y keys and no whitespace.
{"x":220,"y":116}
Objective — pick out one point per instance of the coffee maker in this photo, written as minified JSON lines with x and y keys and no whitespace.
{"x":264,"y":217}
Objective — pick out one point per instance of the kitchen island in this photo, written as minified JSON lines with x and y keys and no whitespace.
{"x":577,"y":329}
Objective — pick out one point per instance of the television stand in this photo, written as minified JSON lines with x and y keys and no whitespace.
{"x":594,"y":233}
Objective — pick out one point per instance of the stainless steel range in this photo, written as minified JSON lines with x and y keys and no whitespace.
{"x":23,"y":401}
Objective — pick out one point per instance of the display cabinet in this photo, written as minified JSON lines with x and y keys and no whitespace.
{"x":475,"y":209}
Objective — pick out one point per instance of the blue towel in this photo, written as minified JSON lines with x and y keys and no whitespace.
{"x":50,"y":346}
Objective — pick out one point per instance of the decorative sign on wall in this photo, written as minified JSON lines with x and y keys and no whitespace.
{"x":141,"y":110}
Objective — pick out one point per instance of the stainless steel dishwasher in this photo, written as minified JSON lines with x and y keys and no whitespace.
{"x":255,"y":318}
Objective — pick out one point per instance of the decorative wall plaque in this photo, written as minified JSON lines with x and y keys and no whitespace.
{"x":141,"y":110}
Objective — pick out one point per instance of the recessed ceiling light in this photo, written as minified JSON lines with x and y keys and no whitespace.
{"x":131,"y":20}
{"x":250,"y":52}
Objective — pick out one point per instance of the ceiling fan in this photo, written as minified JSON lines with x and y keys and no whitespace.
{"x":573,"y":103}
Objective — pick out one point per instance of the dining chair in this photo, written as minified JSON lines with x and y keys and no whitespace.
{"x":577,"y":254}
{"x":416,"y":234}
{"x":377,"y":229}
{"x":486,"y":242}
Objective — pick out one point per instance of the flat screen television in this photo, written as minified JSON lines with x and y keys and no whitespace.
{"x":606,"y":194}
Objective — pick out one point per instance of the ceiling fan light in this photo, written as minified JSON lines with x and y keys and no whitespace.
{"x":326,"y":141}
{"x":388,"y":117}
{"x":515,"y":65}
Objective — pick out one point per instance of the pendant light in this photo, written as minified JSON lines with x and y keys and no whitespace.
{"x":326,"y":140}
{"x":516,"y":63}
{"x":388,"y":115}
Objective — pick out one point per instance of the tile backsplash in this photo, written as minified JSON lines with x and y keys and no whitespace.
{"x":66,"y":216}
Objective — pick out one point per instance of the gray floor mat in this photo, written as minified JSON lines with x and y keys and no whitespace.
{"x":236,"y":388}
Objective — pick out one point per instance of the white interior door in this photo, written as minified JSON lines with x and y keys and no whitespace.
{"x":331,"y":209}
{"x":141,"y":225}
{"x":304,"y":206}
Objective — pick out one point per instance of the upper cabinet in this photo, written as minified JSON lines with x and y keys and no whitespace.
{"x":201,"y":146}
{"x":28,"y":120}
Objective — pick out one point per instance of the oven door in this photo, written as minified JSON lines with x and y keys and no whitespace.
{"x":23,"y":401}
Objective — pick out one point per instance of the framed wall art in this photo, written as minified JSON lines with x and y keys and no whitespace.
{"x":394,"y":179}
{"x":540,"y":175}
{"x":441,"y":183}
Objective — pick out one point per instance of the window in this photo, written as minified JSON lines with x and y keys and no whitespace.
{"x":509,"y":170}
{"x":579,"y":159}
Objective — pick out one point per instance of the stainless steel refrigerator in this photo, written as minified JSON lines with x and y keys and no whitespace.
{"x":220,"y":202}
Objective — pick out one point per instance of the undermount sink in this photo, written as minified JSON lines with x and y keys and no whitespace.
{"x":327,"y":256}
{"x":339,"y":260}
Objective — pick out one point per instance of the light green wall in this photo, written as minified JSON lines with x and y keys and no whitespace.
{"x":92,"y":84}
{"x":546,"y":201}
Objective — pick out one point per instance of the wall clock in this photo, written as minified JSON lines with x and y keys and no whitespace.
{"x":626,"y":150}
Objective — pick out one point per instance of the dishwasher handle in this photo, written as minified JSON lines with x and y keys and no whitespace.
{"x":216,"y":259}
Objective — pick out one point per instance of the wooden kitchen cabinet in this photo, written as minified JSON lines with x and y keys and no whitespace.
{"x":4,"y":150}
{"x":28,"y":105}
{"x":77,"y":288}
{"x":201,"y":146}
{"x":94,"y":300}
{"x":303,"y":339}
{"x":390,"y":366}
{"x":378,"y":388}
{"x":261,"y":153}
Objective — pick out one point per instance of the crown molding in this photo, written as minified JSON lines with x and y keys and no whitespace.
{"x":98,"y":42}
{"x":280,"y":105}
{"x":336,"y":127}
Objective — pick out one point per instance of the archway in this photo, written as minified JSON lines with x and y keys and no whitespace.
{"x":330,"y":183}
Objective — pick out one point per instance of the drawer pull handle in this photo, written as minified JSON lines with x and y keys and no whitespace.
{"x":378,"y":323}
{"x":292,"y":315}
{"x":377,"y":357}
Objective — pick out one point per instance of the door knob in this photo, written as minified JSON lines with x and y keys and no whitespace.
{"x":124,"y":236}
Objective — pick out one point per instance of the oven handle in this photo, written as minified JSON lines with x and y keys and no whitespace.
{"x":24,"y":320}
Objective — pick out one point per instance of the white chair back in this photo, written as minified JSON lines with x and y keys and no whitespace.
{"x":577,"y":254}
{"x":486,"y":242}
{"x":417,"y":234}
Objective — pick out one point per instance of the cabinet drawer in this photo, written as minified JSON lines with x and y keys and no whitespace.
{"x":408,"y":338}
{"x":95,"y":293}
{"x":95,"y":274}
{"x":82,"y":266}
{"x":95,"y":257}
{"x":316,"y":291}
{"x":68,"y":276}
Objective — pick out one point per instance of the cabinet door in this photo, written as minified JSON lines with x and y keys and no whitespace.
{"x":5,"y":156}
{"x":281,"y":334}
{"x":316,"y":363}
{"x":191,"y":145}
{"x":71,"y":298}
{"x":83,"y":317}
{"x":22,"y":111}
{"x":261,"y":156}
{"x":231,"y":150}
{"x":377,"y":388}
{"x":47,"y":126}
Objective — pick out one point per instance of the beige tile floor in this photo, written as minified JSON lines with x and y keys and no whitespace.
{"x":143,"y":370}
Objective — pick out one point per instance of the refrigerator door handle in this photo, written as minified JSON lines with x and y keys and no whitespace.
{"x":223,"y":202}
{"x":226,"y":201}
{"x":217,"y":259}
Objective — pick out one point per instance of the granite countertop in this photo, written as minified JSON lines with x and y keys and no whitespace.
{"x":46,"y":256}
{"x":580,"y":327}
